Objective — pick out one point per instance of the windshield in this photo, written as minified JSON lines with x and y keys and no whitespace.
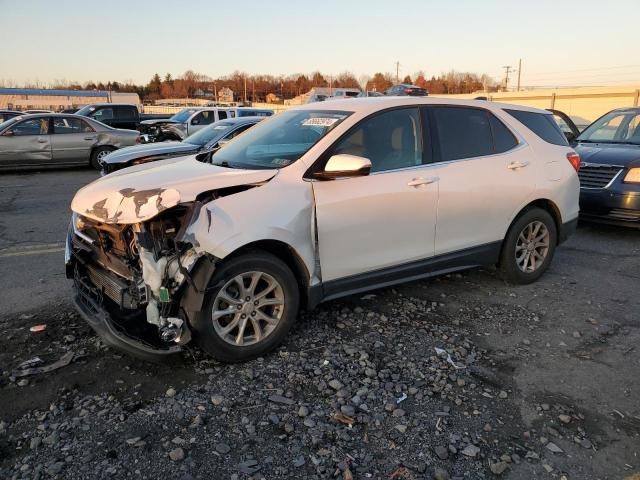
{"x":183,"y":115}
{"x":614,"y":127}
{"x":279,"y":141}
{"x":215,"y":131}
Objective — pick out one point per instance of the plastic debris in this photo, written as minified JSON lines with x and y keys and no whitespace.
{"x":402,"y":398}
{"x":443,"y":353}
{"x":38,"y":328}
{"x":31,"y":370}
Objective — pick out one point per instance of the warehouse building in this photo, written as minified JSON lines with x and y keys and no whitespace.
{"x":56,"y":100}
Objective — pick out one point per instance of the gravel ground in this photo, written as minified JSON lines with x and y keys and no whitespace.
{"x":457,"y":377}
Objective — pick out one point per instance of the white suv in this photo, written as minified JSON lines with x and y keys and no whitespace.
{"x":321,"y":201}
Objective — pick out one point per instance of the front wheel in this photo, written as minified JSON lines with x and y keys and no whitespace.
{"x":529,"y":246}
{"x":252,"y":303}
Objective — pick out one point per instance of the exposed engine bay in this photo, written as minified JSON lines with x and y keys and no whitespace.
{"x":139,"y":268}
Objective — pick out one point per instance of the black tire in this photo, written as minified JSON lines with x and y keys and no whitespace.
{"x":205,"y":333}
{"x":95,"y":162}
{"x":508,"y":265}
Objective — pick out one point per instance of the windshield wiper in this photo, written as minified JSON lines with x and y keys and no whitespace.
{"x":224,"y":164}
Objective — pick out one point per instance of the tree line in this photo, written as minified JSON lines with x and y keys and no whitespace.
{"x":258,"y":87}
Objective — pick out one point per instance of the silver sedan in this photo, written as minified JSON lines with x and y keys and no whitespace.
{"x":59,"y":140}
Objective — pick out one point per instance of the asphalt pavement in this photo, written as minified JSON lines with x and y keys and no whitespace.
{"x":34,"y":217}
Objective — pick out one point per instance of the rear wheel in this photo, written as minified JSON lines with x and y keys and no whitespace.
{"x":97,"y":157}
{"x":529,"y":246}
{"x":253,"y":302}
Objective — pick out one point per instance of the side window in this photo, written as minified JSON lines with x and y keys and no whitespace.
{"x":204,"y":118}
{"x":63,"y":125}
{"x":503,"y":139}
{"x":103,"y":114}
{"x":462,"y":132}
{"x":542,"y":124}
{"x":237,"y":132}
{"x":33,"y":126}
{"x":391,"y":140}
{"x":222,"y":115}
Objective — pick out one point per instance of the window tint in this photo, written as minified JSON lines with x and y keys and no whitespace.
{"x":391,"y":140}
{"x":462,"y":132}
{"x":503,"y":139}
{"x":125,"y":113}
{"x":34,"y":126}
{"x":70,"y":125}
{"x":103,"y":114}
{"x":543,"y":125}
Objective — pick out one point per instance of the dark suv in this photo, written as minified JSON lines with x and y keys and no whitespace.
{"x":404,"y":90}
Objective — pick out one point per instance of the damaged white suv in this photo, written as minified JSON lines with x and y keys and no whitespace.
{"x":318,"y":202}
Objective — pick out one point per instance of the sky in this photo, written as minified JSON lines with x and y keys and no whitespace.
{"x":562,"y":42}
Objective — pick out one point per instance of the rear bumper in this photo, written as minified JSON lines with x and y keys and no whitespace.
{"x":620,"y":208}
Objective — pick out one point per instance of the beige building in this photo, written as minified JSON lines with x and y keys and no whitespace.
{"x":52,"y":99}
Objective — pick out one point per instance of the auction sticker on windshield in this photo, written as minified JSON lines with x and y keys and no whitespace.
{"x":319,"y":122}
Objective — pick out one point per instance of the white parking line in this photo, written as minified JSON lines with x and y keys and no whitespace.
{"x":32,"y":250}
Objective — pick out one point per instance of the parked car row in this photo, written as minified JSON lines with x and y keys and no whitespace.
{"x":203,"y":141}
{"x":190,"y":120}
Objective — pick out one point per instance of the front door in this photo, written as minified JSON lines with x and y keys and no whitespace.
{"x":72,"y":140}
{"x":27,"y":143}
{"x":386,"y":219}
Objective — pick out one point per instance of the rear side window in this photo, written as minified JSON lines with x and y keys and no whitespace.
{"x":543,"y":125}
{"x":503,"y":139}
{"x":462,"y":133}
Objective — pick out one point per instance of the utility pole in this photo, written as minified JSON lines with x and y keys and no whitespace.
{"x":397,"y":73}
{"x":507,"y":69}
{"x":519,"y":71}
{"x":245,"y":88}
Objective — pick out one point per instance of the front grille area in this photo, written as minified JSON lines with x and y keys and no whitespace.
{"x":597,"y":176}
{"x":112,"y":287}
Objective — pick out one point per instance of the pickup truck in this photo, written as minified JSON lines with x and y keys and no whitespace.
{"x":118,"y":115}
{"x":190,"y":120}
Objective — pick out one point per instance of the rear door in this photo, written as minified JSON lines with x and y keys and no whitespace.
{"x":485,"y":174}
{"x":72,"y":140}
{"x":27,"y":143}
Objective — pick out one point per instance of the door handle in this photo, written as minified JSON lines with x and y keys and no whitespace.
{"x":42,"y":140}
{"x":416,"y":182}
{"x":88,"y":138}
{"x":515,"y":165}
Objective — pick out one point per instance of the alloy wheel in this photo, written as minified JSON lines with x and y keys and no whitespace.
{"x":532,"y":246}
{"x":248,"y":308}
{"x":100,"y":157}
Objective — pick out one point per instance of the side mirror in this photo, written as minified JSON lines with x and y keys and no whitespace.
{"x":345,"y":166}
{"x":570,"y":136}
{"x":195,"y":121}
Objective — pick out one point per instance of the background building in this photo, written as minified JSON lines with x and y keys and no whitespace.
{"x":49,"y":99}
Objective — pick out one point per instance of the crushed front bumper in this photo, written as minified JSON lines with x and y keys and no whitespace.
{"x":90,"y":297}
{"x":89,"y":300}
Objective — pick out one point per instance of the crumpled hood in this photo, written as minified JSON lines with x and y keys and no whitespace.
{"x":139,"y":193}
{"x":609,"y":154}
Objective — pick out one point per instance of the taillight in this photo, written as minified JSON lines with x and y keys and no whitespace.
{"x":574,"y":160}
{"x":408,"y":90}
